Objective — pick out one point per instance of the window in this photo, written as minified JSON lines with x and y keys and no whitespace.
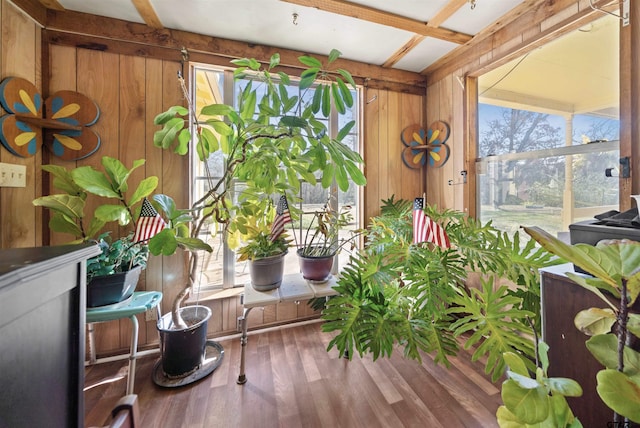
{"x":548,"y":130}
{"x":220,"y":269}
{"x":545,"y":170}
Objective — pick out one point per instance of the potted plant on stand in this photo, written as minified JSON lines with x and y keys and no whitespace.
{"x":265,"y":248}
{"x":268,"y":142}
{"x":112,"y":275}
{"x":321,"y":242}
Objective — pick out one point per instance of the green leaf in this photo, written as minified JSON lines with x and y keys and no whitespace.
{"x":346,"y":93}
{"x":564,"y":386}
{"x":293,"y":122}
{"x":216,"y":110}
{"x":62,"y":179}
{"x":169,"y":114}
{"x":334,"y":55}
{"x":515,"y":363}
{"x":63,"y":224}
{"x":107,"y":213}
{"x":165,"y":137}
{"x":604,"y":347}
{"x":529,"y":405}
{"x":633,"y":325}
{"x":595,"y":321}
{"x":194,"y":244}
{"x":310,"y":61}
{"x":619,"y":393}
{"x":164,"y":243}
{"x":347,"y":76}
{"x":94,"y":182}
{"x":274,"y":61}
{"x":70,"y":206}
{"x":317,"y":100}
{"x":144,"y":189}
{"x":337,"y":98}
{"x":184,"y":137}
{"x":326,"y":100}
{"x":307,"y":81}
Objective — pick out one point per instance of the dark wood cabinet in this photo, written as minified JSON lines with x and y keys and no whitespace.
{"x":42,"y":339}
{"x":569,"y":357}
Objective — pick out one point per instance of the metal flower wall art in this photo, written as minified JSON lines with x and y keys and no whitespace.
{"x":425,"y":147}
{"x":61,"y":121}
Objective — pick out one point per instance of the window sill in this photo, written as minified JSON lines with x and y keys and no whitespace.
{"x":208,"y":296}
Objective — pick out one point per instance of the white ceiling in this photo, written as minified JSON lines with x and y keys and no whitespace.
{"x":575,"y":74}
{"x":315,"y":31}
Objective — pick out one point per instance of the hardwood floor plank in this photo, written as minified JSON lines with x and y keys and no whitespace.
{"x":294,"y":382}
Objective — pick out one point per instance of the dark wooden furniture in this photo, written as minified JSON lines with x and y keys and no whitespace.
{"x":42,"y":339}
{"x":569,"y":357}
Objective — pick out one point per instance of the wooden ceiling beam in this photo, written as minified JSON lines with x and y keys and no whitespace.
{"x":354,"y":10}
{"x":100,"y":27}
{"x":445,"y":13}
{"x":147,"y":13}
{"x":52,"y":4}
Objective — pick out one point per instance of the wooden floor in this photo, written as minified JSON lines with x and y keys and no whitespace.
{"x":294,"y":382}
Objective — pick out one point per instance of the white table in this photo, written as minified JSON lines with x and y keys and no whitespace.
{"x":294,"y":288}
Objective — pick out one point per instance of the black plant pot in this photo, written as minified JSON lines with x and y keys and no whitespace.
{"x":315,"y":268}
{"x":109,"y":289}
{"x":183,"y":350}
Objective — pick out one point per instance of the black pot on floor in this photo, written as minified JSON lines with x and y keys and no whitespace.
{"x":182,"y":350}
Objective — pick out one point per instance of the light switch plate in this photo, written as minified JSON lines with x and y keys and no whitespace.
{"x":12,"y":175}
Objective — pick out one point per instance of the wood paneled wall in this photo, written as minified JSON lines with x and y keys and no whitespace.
{"x":386,"y":114}
{"x":20,"y":53}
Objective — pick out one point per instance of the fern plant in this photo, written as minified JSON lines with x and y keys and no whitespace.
{"x":394,"y":292}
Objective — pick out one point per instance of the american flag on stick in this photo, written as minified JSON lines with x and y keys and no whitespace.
{"x":282,"y":217}
{"x":149,"y":224}
{"x":425,"y":229}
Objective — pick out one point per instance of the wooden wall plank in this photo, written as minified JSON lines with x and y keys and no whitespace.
{"x":19,"y":57}
{"x":371,"y":152}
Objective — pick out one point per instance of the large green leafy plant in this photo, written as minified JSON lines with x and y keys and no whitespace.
{"x":270,"y":142}
{"x":614,"y":266}
{"x":114,"y":201}
{"x":396,"y":292}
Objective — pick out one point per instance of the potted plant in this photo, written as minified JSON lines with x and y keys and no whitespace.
{"x":320,"y":242}
{"x":264,"y":248}
{"x":269,"y":142}
{"x":416,"y":294}
{"x":614,"y":277}
{"x":112,"y":275}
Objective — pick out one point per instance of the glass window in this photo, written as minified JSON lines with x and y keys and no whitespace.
{"x":543,"y":169}
{"x":220,"y":269}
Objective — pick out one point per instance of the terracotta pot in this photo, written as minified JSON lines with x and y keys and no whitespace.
{"x":315,"y":268}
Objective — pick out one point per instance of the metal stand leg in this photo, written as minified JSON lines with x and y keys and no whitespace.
{"x":92,"y":344}
{"x":132,"y":356}
{"x":242,"y":379}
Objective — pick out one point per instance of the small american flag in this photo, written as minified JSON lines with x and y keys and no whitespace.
{"x":282,"y":217}
{"x":149,"y":224}
{"x":425,"y":229}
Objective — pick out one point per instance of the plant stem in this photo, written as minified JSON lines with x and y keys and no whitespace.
{"x":623,"y":317}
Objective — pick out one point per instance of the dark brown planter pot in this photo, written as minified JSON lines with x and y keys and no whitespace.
{"x":315,"y":268}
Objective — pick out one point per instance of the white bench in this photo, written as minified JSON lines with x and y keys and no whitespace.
{"x":294,"y":288}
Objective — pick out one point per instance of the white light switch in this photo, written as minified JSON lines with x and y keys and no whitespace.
{"x":13,"y":175}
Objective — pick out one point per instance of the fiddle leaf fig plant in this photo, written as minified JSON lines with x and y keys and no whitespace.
{"x":614,"y":266}
{"x":536,"y":400}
